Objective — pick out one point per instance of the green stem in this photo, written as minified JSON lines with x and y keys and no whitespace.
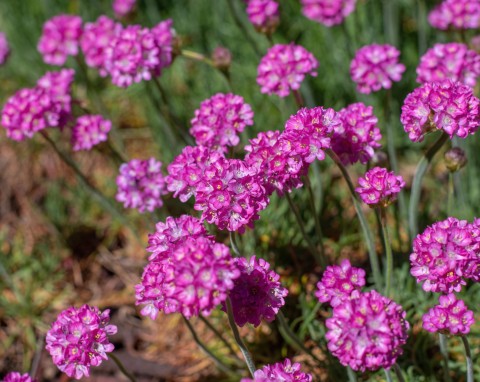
{"x":388,"y":251}
{"x":241,"y":26}
{"x":218,"y":334}
{"x":318,"y":227}
{"x":196,"y":57}
{"x":367,"y":232}
{"x":444,"y":351}
{"x":388,"y":375}
{"x":121,"y":367}
{"x":468,"y":354}
{"x":417,"y":183}
{"x":298,"y":98}
{"x":352,"y":377}
{"x":451,"y":194}
{"x":233,"y":244}
{"x":398,"y":372}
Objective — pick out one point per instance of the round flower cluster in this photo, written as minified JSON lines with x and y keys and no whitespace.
{"x":264,"y":15}
{"x":78,"y":339}
{"x":452,"y":61}
{"x":281,"y":371}
{"x":340,"y":282}
{"x":356,"y":138}
{"x":450,"y":316}
{"x":379,"y":187}
{"x":60,"y":38}
{"x":219,"y":120}
{"x":48,"y":104}
{"x":187,"y":170}
{"x":123,"y":7}
{"x":284,"y":67}
{"x":458,"y":14}
{"x":328,"y":12}
{"x":89,"y":131}
{"x":375,"y":67}
{"x":367,"y":332}
{"x":141,"y":184}
{"x":257,"y":293}
{"x":4,"y":48}
{"x":17,"y":377}
{"x":445,"y":254}
{"x":448,"y":106}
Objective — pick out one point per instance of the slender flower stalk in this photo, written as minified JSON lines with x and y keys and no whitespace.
{"x":398,"y":372}
{"x":442,"y":339}
{"x":352,"y":376}
{"x":468,"y":354}
{"x":196,"y":57}
{"x":233,"y":244}
{"x":318,"y":227}
{"x":218,"y":335}
{"x":298,"y":98}
{"x":388,"y":251}
{"x":243,"y":29}
{"x":388,"y":375}
{"x":122,"y":368}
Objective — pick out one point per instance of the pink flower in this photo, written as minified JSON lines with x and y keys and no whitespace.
{"x":4,"y":48}
{"x":264,"y":15}
{"x":356,"y":138}
{"x":379,"y":187}
{"x":219,"y":120}
{"x":451,"y":316}
{"x":457,"y":14}
{"x":78,"y":339}
{"x":328,"y":12}
{"x":123,"y":7}
{"x":282,"y":371}
{"x":448,"y":106}
{"x":89,"y":131}
{"x":60,"y":38}
{"x":367,"y":332}
{"x":449,"y":61}
{"x":375,"y":67}
{"x":141,"y":184}
{"x":17,"y":377}
{"x":257,"y":293}
{"x":284,"y":67}
{"x":340,"y":282}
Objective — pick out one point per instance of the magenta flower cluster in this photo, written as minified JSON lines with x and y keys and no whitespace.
{"x":123,"y":7}
{"x":78,"y":339}
{"x":282,"y":371}
{"x":219,"y":120}
{"x":4,"y":48}
{"x":328,"y":12}
{"x":17,"y":377}
{"x":257,"y":293}
{"x":445,"y":255}
{"x":141,"y":184}
{"x":447,"y":106}
{"x":375,"y":67}
{"x":450,"y":316}
{"x":452,"y":61}
{"x":284,"y":67}
{"x":264,"y":15}
{"x":89,"y":130}
{"x":379,"y":187}
{"x":357,"y":137}
{"x":339,"y":283}
{"x":456,"y":14}
{"x":367,"y":332}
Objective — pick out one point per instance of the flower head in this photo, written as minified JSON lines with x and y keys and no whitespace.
{"x":367,"y":332}
{"x":141,"y":184}
{"x":264,"y":15}
{"x":450,"y":316}
{"x":78,"y":339}
{"x":457,"y":14}
{"x":448,"y":106}
{"x":257,"y":293}
{"x":60,"y":38}
{"x":452,"y":61}
{"x":89,"y":131}
{"x":17,"y":377}
{"x":379,"y":187}
{"x":219,"y":120}
{"x":358,"y":135}
{"x":284,"y":67}
{"x":4,"y":48}
{"x":123,"y":7}
{"x":328,"y":12}
{"x":375,"y":67}
{"x":282,"y":371}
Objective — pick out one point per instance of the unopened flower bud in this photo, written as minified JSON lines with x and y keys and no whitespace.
{"x":222,"y":58}
{"x":380,"y":159}
{"x":455,"y":159}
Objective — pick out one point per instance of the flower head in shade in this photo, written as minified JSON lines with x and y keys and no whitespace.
{"x":379,"y":187}
{"x":141,"y":184}
{"x":264,"y":15}
{"x":340,"y":282}
{"x":17,"y":377}
{"x":457,"y":14}
{"x":367,"y":332}
{"x":282,"y":371}
{"x":356,"y":138}
{"x":123,"y":7}
{"x":375,"y":67}
{"x":60,"y":38}
{"x":89,"y":131}
{"x":328,"y":12}
{"x":78,"y":339}
{"x":450,"y":316}
{"x":448,"y":106}
{"x":95,"y":40}
{"x":452,"y":61}
{"x":445,"y":254}
{"x":257,"y":294}
{"x":219,"y":120}
{"x":4,"y":48}
{"x":283,"y":69}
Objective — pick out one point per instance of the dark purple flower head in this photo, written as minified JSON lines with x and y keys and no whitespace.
{"x":89,"y":131}
{"x":78,"y":339}
{"x":379,"y":187}
{"x":328,"y":12}
{"x":456,"y":14}
{"x":264,"y":15}
{"x":451,"y":316}
{"x":4,"y":48}
{"x":17,"y":377}
{"x":280,"y":372}
{"x":123,"y":7}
